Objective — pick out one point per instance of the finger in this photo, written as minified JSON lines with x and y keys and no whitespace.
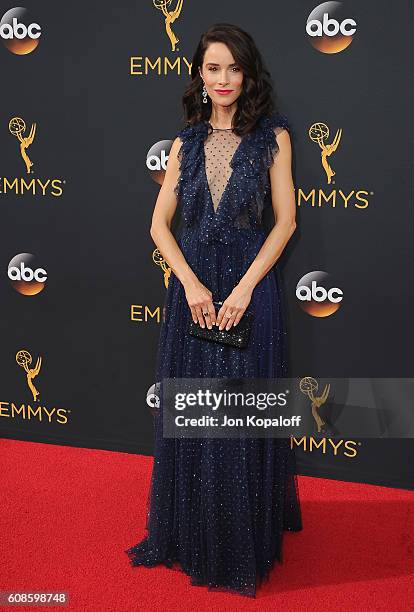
{"x":224,"y":319}
{"x":206,"y":315}
{"x":193,"y":314}
{"x":210,"y":314}
{"x":207,"y":321}
{"x":220,"y":315}
{"x":238,"y":317}
{"x":221,"y":318}
{"x":231,"y":321}
{"x":200,"y":316}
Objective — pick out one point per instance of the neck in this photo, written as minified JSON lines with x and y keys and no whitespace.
{"x":222,"y":116}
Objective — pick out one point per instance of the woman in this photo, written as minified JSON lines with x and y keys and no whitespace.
{"x":217,"y":508}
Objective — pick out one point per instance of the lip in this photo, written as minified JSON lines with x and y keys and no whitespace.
{"x":223,"y":92}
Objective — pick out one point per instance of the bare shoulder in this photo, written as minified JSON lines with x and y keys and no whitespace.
{"x":282,"y":137}
{"x":173,"y":156}
{"x":176,"y":145}
{"x":283,"y":153}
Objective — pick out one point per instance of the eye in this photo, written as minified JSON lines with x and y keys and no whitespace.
{"x":214,"y":68}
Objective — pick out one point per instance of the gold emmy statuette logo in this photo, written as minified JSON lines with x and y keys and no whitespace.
{"x":318,"y":132}
{"x":159,"y":260}
{"x":24,"y":359}
{"x":308,"y":385}
{"x":170,"y":17}
{"x":17,"y":127}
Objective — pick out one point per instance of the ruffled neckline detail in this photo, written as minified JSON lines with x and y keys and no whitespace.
{"x":261,"y":137}
{"x":265,"y":122}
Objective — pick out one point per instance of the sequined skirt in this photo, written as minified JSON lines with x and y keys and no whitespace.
{"x":217,"y":509}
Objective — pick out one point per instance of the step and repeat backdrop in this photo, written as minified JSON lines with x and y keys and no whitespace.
{"x":91,"y":101}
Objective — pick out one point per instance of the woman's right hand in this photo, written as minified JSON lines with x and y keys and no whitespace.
{"x":199,"y":300}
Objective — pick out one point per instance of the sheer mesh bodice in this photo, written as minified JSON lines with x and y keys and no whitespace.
{"x":219,"y":149}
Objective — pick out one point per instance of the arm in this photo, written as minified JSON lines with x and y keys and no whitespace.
{"x":199,"y":298}
{"x":284,"y":206}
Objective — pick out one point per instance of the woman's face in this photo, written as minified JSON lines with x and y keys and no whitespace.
{"x":221,"y":73}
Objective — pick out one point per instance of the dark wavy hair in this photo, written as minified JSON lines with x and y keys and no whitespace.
{"x":257,"y":97}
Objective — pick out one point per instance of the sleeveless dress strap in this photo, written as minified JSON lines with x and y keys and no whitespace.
{"x":268,"y":143}
{"x":189,"y":154}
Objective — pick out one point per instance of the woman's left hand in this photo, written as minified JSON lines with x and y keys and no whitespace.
{"x":235,"y":305}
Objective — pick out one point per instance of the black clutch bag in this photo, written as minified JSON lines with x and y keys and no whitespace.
{"x":235,"y":336}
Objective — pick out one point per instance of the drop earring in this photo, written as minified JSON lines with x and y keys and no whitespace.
{"x":204,"y":94}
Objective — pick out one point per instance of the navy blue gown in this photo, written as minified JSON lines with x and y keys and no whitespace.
{"x":217,"y":508}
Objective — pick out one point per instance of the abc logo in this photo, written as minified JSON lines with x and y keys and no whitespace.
{"x":153,"y":398}
{"x":329,"y":29}
{"x":19,"y":34}
{"x":25,"y":276}
{"x":316,"y":294}
{"x":157,"y":158}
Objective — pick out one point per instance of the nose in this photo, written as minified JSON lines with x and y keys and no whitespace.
{"x":223,"y":78}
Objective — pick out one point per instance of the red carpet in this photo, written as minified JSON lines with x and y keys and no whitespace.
{"x":68,"y":514}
